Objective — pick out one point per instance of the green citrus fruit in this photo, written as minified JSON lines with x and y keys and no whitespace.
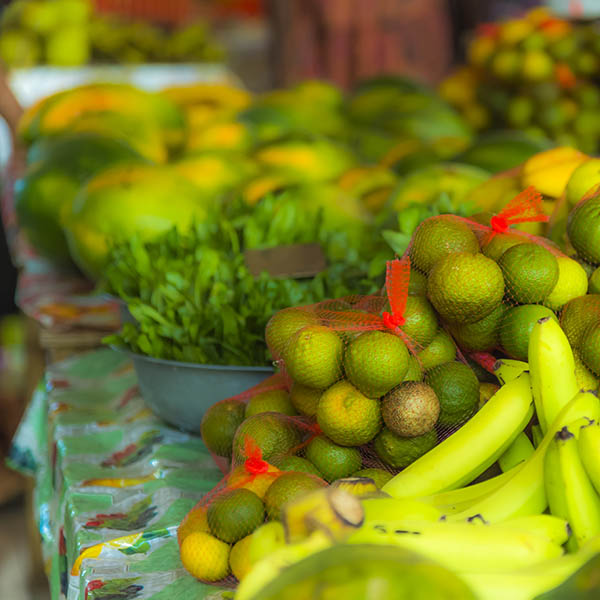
{"x":399,"y":452}
{"x":420,"y":320}
{"x":496,"y":245}
{"x":486,"y":391}
{"x":379,"y":476}
{"x":590,"y":349}
{"x":583,"y":228}
{"x":441,"y":350}
{"x":375,"y":362}
{"x":239,"y":558}
{"x":457,"y":389}
{"x":415,"y":372}
{"x":481,"y":335}
{"x":417,"y":285}
{"x":578,"y":315}
{"x":314,"y":357}
{"x":304,"y":399}
{"x":572,"y":282}
{"x":516,"y":327}
{"x":270,"y":401}
{"x":283,"y":325}
{"x":594,"y":282}
{"x":274,"y":434}
{"x":295,"y":463}
{"x":288,"y":487}
{"x":332,"y":460}
{"x":437,"y":237}
{"x":586,"y":380}
{"x":234,"y":514}
{"x":205,"y":557}
{"x":219,"y":425}
{"x":465,"y":287}
{"x":348,"y":417}
{"x":410,"y":409}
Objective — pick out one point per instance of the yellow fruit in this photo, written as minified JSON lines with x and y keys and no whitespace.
{"x":480,"y":50}
{"x":585,"y":179}
{"x":259,"y":484}
{"x":572,"y":283}
{"x":194,"y":522}
{"x":549,"y":171}
{"x":514,"y":31}
{"x":586,"y":380}
{"x":305,"y":399}
{"x":537,"y":65}
{"x":460,"y":87}
{"x":270,"y":401}
{"x":239,"y":558}
{"x":486,"y":391}
{"x":205,"y":557}
{"x":283,"y":325}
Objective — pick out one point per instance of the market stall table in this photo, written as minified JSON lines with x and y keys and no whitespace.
{"x":112,"y":483}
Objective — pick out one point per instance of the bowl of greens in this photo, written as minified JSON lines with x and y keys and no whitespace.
{"x":181,"y":392}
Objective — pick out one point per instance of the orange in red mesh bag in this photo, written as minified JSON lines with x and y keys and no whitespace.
{"x":215,"y":535}
{"x":490,"y":283}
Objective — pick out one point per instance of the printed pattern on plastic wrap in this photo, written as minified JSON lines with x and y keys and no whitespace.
{"x":113,"y":483}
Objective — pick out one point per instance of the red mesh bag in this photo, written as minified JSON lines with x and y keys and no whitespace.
{"x":215,"y":535}
{"x":373,"y":371}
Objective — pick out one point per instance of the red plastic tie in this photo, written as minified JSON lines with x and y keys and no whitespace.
{"x":499,"y":224}
{"x":256,"y":466}
{"x":525,"y":207}
{"x":393,"y":321}
{"x":396,"y":284}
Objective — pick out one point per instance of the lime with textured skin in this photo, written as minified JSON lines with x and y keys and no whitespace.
{"x":516,"y":327}
{"x":496,"y":245}
{"x":305,"y":399}
{"x":578,"y":315}
{"x":586,"y":380}
{"x":415,"y":372}
{"x":437,"y":237}
{"x":334,"y":461}
{"x":295,"y":463}
{"x":481,"y":335}
{"x":457,"y":389}
{"x":379,"y":476}
{"x":283,"y":325}
{"x":417,"y":284}
{"x":465,"y":287}
{"x":375,"y":362}
{"x":530,"y":272}
{"x":411,"y":409}
{"x":270,"y":401}
{"x":590,"y":349}
{"x":441,"y":350}
{"x":219,"y":425}
{"x":583,"y":228}
{"x":314,"y":357}
{"x":572,"y":282}
{"x":594,"y":282}
{"x":234,"y":514}
{"x":420,"y":320}
{"x":347,"y":416}
{"x":288,"y":487}
{"x":399,"y":452}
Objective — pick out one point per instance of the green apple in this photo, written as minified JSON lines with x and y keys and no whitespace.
{"x":583,"y":179}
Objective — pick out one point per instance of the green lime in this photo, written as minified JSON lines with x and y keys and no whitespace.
{"x":457,"y":389}
{"x":505,"y":64}
{"x":481,"y":335}
{"x":295,"y":463}
{"x":486,"y":391}
{"x":348,"y":417}
{"x":496,"y":245}
{"x":530,"y":272}
{"x":465,"y":287}
{"x":270,"y":401}
{"x":411,"y":409}
{"x":274,"y":434}
{"x":437,"y":237}
{"x":415,"y":372}
{"x":583,"y":228}
{"x":442,"y":349}
{"x":219,"y":425}
{"x":235,"y":514}
{"x":379,"y":476}
{"x":399,"y":452}
{"x":314,"y":357}
{"x":375,"y":362}
{"x":332,"y":460}
{"x":520,"y":111}
{"x":283,"y":325}
{"x":572,"y":282}
{"x":536,"y":65}
{"x":586,"y":380}
{"x":420,"y":320}
{"x":305,"y":399}
{"x":288,"y":487}
{"x":590,"y":349}
{"x":578,"y":316}
{"x":594,"y":282}
{"x":516,"y":327}
{"x":417,"y":284}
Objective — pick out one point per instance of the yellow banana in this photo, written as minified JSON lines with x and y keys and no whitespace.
{"x":524,"y":494}
{"x":272,"y":565}
{"x":552,"y":369}
{"x":552,"y":528}
{"x":589,"y":450}
{"x":581,"y":500}
{"x":362,"y":487}
{"x":519,"y":451}
{"x":454,"y":545}
{"x":453,"y":462}
{"x":265,"y":540}
{"x":405,"y":508}
{"x":507,"y":369}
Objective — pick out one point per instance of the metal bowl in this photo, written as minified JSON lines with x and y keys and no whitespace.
{"x":180,"y":393}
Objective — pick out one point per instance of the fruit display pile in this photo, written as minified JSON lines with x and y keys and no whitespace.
{"x":538,"y":73}
{"x":455,"y":416}
{"x":69,"y":33}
